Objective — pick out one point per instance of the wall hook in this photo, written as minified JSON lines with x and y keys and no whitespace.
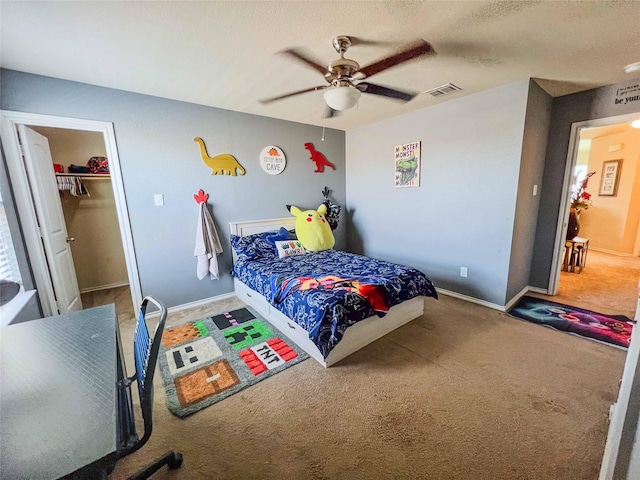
{"x":201,"y":197}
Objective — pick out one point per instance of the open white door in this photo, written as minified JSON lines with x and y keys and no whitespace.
{"x":39,"y":165}
{"x":621,"y":457}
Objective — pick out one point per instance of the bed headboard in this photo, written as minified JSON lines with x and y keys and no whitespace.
{"x":251,"y":227}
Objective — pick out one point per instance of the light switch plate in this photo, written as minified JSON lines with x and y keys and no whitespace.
{"x":158,"y":199}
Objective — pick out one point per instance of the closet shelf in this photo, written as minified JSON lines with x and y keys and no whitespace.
{"x":85,"y":175}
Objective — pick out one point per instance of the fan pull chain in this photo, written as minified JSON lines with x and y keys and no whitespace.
{"x":323,"y":133}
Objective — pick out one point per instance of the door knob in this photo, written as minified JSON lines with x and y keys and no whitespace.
{"x":70,"y":239}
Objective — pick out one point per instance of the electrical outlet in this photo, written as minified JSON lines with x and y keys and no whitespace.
{"x":463,"y":271}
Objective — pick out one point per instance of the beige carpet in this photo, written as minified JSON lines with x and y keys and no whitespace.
{"x":463,"y":392}
{"x":608,"y":284}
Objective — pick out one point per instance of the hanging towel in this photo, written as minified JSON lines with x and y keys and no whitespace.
{"x":207,"y":245}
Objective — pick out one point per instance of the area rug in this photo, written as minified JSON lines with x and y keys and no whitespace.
{"x":208,"y":360}
{"x":613,"y":329}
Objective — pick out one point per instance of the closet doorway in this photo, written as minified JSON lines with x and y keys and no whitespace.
{"x":91,"y":218}
{"x":103,"y":269}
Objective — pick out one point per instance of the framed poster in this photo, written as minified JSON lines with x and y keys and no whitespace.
{"x":407,"y":165}
{"x":610,"y":178}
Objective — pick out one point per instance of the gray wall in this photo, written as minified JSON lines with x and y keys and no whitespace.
{"x":463,"y":212}
{"x":158,"y":155}
{"x":579,"y":107}
{"x":534,"y":144}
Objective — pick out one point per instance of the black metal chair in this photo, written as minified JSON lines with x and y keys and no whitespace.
{"x":145,"y":353}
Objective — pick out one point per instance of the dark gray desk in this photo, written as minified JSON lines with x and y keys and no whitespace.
{"x":58,"y":395}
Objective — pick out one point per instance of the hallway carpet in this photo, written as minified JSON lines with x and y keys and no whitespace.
{"x":609,"y":283}
{"x":462,"y":392}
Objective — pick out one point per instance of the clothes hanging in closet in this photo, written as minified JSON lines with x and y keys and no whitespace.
{"x":73,"y":185}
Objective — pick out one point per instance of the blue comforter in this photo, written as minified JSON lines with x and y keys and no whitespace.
{"x":327,"y":312}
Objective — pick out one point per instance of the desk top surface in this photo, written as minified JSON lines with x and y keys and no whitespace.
{"x":58,"y":393}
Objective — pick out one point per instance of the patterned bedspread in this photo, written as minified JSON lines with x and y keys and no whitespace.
{"x":326,"y":311}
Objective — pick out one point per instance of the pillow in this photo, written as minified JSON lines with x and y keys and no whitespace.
{"x":312,"y":229}
{"x":253,"y":247}
{"x":289,"y":248}
{"x":282,"y":234}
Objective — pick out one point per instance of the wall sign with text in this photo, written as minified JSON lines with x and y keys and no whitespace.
{"x":272,"y":160}
{"x":627,"y":94}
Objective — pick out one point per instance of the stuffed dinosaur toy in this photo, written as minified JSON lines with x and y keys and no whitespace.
{"x":312,"y":229}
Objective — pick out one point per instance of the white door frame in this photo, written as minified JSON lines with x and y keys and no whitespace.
{"x":563,"y":212}
{"x":24,"y":202}
{"x":631,"y":374}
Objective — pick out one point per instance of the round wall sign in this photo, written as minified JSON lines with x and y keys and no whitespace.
{"x":272,"y":160}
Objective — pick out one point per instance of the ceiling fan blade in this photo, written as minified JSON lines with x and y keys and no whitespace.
{"x":306,"y":59}
{"x":366,"y":87}
{"x":286,"y":95}
{"x":414,"y":51}
{"x":355,"y":41}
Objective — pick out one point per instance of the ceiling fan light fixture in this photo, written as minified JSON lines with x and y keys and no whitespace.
{"x":342,"y":98}
{"x":632,"y":67}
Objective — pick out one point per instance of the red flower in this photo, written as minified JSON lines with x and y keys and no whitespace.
{"x":580,"y":198}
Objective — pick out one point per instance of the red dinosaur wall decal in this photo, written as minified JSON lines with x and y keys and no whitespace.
{"x":317,"y":157}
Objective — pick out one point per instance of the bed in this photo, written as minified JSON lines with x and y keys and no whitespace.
{"x":347,"y":300}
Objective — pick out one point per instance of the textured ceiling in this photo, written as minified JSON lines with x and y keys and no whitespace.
{"x":225,"y":54}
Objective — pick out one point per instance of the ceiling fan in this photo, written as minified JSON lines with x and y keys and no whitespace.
{"x":345,"y":77}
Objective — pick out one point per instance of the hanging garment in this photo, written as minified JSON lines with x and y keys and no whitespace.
{"x":207,"y":245}
{"x":73,"y":185}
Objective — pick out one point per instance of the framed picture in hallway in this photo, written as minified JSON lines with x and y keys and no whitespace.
{"x":610,"y":178}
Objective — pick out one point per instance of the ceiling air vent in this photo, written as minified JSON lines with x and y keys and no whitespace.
{"x":442,"y":90}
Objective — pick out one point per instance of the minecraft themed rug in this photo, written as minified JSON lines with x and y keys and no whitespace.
{"x":205,"y":361}
{"x":613,"y":329}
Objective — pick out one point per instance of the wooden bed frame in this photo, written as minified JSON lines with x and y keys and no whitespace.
{"x":357,"y":336}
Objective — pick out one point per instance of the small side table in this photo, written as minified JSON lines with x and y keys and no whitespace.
{"x":575,"y":255}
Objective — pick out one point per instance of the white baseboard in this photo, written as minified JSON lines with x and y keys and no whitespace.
{"x":495,"y":306}
{"x":104,"y":287}
{"x":611,"y":252}
{"x":515,"y":298}
{"x":197,"y":303}
{"x":467,"y":298}
{"x":523,"y":292}
{"x":543,"y":291}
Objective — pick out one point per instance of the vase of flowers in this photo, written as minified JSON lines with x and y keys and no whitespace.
{"x":580,"y":200}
